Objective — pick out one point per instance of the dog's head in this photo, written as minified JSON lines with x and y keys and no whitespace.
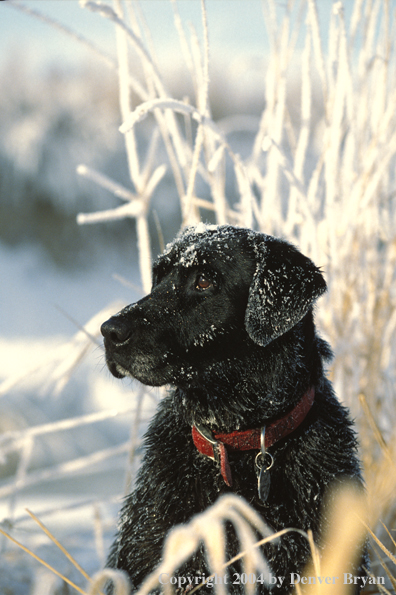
{"x":216,"y":291}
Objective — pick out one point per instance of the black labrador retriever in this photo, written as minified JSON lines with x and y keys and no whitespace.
{"x":229,"y":324}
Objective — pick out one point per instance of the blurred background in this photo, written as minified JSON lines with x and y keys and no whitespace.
{"x":60,"y":108}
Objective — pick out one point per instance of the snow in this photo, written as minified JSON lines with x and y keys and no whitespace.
{"x":92,"y":415}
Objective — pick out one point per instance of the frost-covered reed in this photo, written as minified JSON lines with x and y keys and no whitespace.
{"x":320,"y":172}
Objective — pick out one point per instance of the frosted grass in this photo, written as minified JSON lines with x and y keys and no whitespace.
{"x":324,"y":180}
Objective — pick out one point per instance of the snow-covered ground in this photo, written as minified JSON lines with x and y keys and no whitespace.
{"x":64,"y":456}
{"x":38,"y":299}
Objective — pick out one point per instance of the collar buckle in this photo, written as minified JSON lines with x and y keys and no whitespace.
{"x":208,"y":435}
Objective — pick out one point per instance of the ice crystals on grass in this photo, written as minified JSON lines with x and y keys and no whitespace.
{"x":118,"y":578}
{"x":136,"y":204}
{"x":209,"y":528}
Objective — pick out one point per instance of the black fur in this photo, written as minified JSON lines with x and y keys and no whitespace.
{"x":229,"y":325}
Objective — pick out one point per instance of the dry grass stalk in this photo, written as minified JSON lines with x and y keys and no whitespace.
{"x":43,"y":562}
{"x":58,"y":544}
{"x":344,"y":536}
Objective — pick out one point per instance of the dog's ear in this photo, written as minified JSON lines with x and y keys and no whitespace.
{"x":284,"y":286}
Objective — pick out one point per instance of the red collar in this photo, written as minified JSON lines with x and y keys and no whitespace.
{"x":214,"y":446}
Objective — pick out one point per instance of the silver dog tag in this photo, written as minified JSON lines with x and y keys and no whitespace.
{"x":262,"y":469}
{"x":263,"y":484}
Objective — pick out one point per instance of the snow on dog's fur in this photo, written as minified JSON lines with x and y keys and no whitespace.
{"x":229,"y":325}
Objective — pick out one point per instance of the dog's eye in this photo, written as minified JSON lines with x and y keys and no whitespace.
{"x":203,"y":283}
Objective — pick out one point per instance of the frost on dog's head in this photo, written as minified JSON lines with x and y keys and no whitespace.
{"x":197,"y":242}
{"x":284,"y":286}
{"x":195,"y":238}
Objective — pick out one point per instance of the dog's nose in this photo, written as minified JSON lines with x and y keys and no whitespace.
{"x":116,"y":330}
